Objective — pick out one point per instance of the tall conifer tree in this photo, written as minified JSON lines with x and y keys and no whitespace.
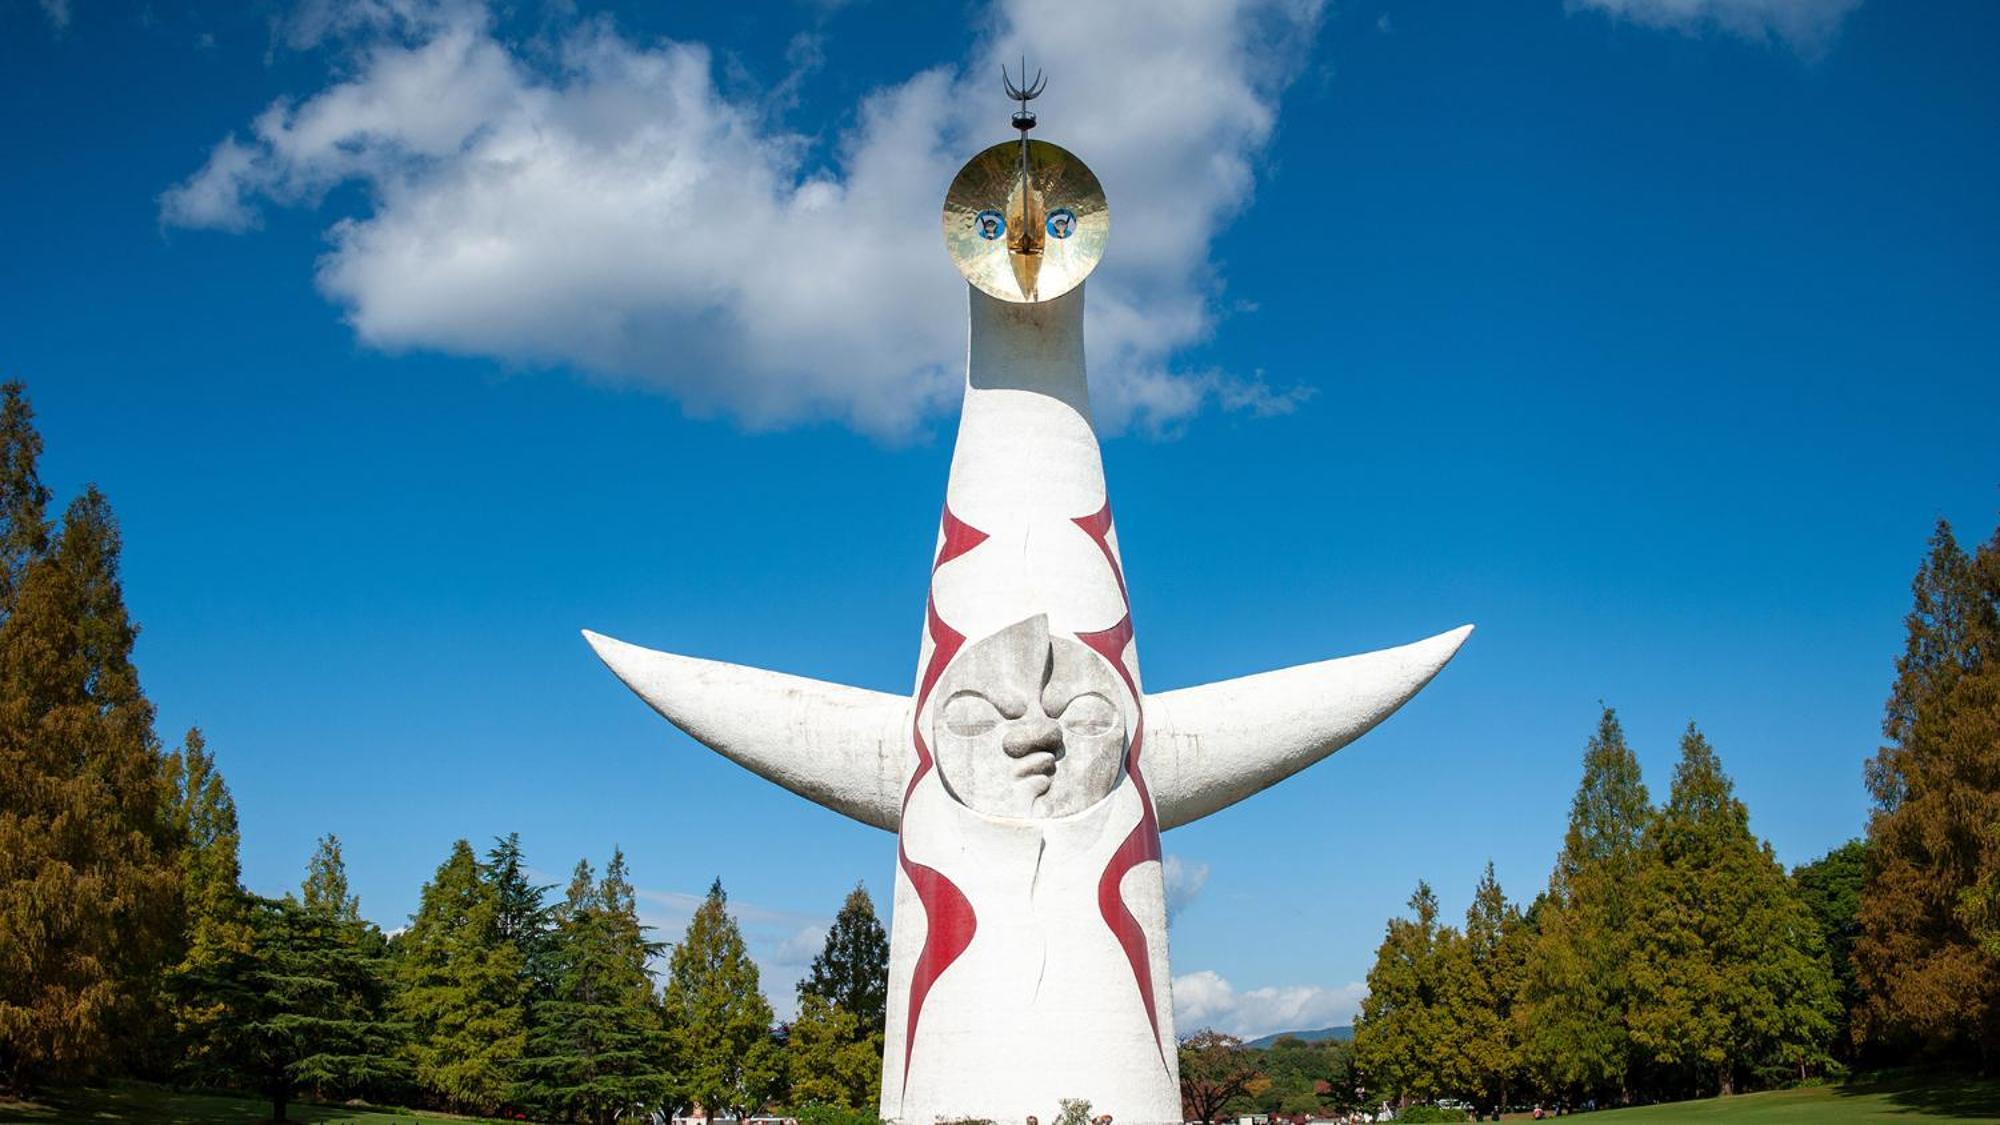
{"x":218,"y":926}
{"x":1830,"y":887}
{"x":1403,"y":1040}
{"x":1928,"y":960}
{"x":461,"y":987}
{"x":24,"y":502}
{"x":1729,"y":974}
{"x":1577,"y":989}
{"x":1485,"y":977}
{"x":522,"y":918}
{"x":325,"y":890}
{"x":717,"y":1021}
{"x":832,"y":1058}
{"x":597,"y":1048}
{"x":852,"y":969}
{"x":89,"y":879}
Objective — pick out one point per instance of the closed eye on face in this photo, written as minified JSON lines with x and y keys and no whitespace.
{"x":970,"y":714}
{"x":1089,"y":714}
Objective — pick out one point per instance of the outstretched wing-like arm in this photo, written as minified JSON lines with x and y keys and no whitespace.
{"x":1209,"y":747}
{"x":834,"y":745}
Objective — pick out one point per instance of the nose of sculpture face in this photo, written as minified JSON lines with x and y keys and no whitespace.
{"x":1032,"y":734}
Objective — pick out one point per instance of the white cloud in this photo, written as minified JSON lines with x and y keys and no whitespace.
{"x":1808,"y":26}
{"x":1206,"y":999}
{"x":57,"y":12}
{"x":1184,"y":881}
{"x":605,"y":205}
{"x":799,"y":949}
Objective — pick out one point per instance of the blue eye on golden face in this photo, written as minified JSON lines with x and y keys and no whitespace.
{"x":1062,"y":223}
{"x":990,"y":224}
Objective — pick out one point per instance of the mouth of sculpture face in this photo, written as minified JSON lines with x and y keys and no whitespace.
{"x":1038,"y":769}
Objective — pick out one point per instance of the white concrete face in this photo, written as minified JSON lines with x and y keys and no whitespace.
{"x":1027,"y":775}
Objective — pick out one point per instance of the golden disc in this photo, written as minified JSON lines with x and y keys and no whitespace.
{"x":1025,"y":246}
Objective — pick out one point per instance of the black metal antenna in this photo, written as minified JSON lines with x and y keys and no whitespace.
{"x":1023,"y":119}
{"x":1030,"y":241}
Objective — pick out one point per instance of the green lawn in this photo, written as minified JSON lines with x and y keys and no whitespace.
{"x":1912,"y":1099}
{"x":1909,"y":1098}
{"x":150,"y":1105}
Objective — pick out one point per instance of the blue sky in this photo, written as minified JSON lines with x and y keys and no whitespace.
{"x":1649,"y":335}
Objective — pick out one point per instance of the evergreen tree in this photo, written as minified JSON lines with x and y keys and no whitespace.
{"x":302,"y":1008}
{"x":597,"y":1049}
{"x":1484,"y":979}
{"x":1729,"y":974}
{"x":325,"y":890}
{"x":1930,"y":909}
{"x":1948,"y":633}
{"x":218,"y":926}
{"x":522,"y":918}
{"x":1577,"y":988}
{"x":717,"y":1020}
{"x":461,"y":988}
{"x":852,"y":969}
{"x":1830,"y":887}
{"x":89,"y":879}
{"x":832,"y":1058}
{"x":1402,"y":1037}
{"x":24,"y":503}
{"x":301,"y":1005}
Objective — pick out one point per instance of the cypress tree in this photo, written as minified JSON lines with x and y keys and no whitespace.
{"x":325,"y":890}
{"x":24,"y":502}
{"x":1729,"y":975}
{"x":1402,"y":1036}
{"x":717,"y":1021}
{"x":852,"y":969}
{"x":461,"y":988}
{"x":522,"y":918}
{"x":218,"y":926}
{"x":89,"y":879}
{"x":1830,"y":887}
{"x":1486,"y":978}
{"x":597,"y":1048}
{"x":1577,"y":988}
{"x":832,"y":1058}
{"x":1928,"y":959}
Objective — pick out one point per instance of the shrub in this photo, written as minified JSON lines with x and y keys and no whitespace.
{"x":819,"y":1113}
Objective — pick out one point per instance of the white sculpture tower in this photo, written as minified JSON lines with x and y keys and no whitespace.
{"x":1028,"y":776}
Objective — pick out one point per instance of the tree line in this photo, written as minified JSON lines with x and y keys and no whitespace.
{"x":1672,"y":956}
{"x":129,"y":946}
{"x":1669,"y":955}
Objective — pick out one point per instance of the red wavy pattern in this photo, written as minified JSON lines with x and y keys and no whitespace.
{"x":948,"y":915}
{"x":1098,"y":527}
{"x":1143,"y":843}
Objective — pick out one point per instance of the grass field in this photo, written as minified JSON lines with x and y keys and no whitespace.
{"x":1912,"y":1099}
{"x":133,"y":1104}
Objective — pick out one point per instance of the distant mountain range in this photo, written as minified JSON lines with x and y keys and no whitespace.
{"x":1340,"y":1034}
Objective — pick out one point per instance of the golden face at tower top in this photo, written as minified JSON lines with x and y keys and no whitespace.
{"x":1025,"y":245}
